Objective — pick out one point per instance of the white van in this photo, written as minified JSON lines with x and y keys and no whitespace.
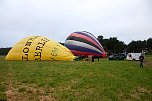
{"x":133,"y":56}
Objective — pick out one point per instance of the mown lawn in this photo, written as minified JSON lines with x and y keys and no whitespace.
{"x":102,"y":80}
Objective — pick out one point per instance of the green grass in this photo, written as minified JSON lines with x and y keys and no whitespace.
{"x":102,"y":80}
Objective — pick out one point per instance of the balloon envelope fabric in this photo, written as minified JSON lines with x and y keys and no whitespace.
{"x":39,"y":48}
{"x":84,"y":44}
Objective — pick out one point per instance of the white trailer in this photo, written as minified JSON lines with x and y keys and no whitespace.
{"x":133,"y":56}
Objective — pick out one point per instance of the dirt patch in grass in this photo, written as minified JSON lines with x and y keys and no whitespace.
{"x":122,"y":96}
{"x":148,"y":64}
{"x":26,"y":92}
{"x":138,"y":92}
{"x":135,"y":96}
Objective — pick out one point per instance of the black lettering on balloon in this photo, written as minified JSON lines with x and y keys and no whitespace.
{"x":25,"y":57}
{"x":54,"y":52}
{"x":37,"y":54}
{"x":28,"y":43}
{"x":38,"y":48}
{"x":33,"y":38}
{"x":45,"y":40}
{"x":26,"y":50}
{"x":41,"y":44}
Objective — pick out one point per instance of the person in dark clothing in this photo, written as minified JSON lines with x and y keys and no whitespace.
{"x":92,"y":58}
{"x":141,"y":59}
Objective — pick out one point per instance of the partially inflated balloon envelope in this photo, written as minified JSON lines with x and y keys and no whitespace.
{"x":84,"y":43}
{"x":39,"y":48}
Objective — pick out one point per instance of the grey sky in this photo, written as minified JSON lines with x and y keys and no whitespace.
{"x":125,"y":19}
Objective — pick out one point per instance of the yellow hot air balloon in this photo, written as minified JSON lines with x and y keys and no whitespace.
{"x":39,"y":48}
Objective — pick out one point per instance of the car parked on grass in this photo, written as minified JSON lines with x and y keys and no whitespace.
{"x":120,"y":56}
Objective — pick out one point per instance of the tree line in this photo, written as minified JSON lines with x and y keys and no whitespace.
{"x":113,"y":45}
{"x":4,"y":51}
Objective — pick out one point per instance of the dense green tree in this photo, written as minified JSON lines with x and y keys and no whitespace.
{"x":136,"y":46}
{"x":149,"y":45}
{"x":100,"y":38}
{"x":112,"y":45}
{"x":4,"y":51}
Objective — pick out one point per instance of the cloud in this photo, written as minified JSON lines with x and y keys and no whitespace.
{"x":126,"y":19}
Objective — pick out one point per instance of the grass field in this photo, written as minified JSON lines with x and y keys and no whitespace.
{"x":102,"y":80}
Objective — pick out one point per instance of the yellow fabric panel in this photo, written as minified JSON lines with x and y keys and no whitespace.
{"x":39,"y":48}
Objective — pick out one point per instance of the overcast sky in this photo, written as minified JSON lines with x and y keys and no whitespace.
{"x":56,"y":19}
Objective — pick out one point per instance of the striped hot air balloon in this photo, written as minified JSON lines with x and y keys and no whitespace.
{"x":84,"y":44}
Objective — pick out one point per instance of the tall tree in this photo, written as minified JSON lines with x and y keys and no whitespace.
{"x":112,"y":45}
{"x":136,"y":46}
{"x":149,"y":45}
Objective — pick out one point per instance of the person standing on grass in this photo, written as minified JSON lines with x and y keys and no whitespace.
{"x":98,"y":58}
{"x":92,"y":58}
{"x":141,"y":59}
